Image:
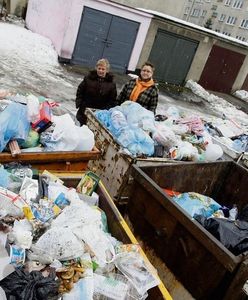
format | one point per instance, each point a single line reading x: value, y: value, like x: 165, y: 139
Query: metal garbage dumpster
x: 116, y: 224
x: 56, y: 160
x: 203, y: 265
x: 114, y: 164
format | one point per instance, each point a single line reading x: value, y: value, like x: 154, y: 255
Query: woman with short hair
x: 141, y: 90
x: 97, y: 90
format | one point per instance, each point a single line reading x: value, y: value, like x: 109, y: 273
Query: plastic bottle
x: 233, y: 213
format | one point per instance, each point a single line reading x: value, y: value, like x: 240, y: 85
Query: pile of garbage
x: 59, y: 243
x: 173, y: 135
x: 227, y: 224
x: 35, y: 124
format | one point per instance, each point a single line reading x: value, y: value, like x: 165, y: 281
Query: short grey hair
x: 105, y: 62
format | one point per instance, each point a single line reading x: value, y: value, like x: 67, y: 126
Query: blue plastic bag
x: 197, y: 204
x: 4, y: 177
x: 14, y: 124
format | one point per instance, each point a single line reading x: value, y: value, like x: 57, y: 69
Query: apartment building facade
x: 229, y: 17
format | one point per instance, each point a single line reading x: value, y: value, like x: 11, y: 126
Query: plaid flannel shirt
x: 148, y: 98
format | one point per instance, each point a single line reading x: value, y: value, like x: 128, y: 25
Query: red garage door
x: 221, y: 69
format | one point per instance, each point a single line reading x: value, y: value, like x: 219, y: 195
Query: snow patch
x: 216, y: 103
x: 27, y: 47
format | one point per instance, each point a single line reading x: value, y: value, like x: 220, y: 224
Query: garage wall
x: 206, y: 42
x: 59, y: 20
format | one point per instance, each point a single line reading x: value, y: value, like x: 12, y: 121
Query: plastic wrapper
x: 57, y: 243
x: 29, y: 190
x: 132, y: 265
x: 114, y: 287
x: 11, y: 204
x: 17, y: 256
x: 98, y: 242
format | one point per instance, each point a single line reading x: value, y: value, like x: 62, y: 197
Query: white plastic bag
x: 86, y: 140
x: 165, y: 136
x: 58, y: 243
x: 33, y: 106
x: 65, y: 133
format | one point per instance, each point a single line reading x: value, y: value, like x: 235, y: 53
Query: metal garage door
x: 221, y: 69
x: 104, y: 35
x: 172, y: 56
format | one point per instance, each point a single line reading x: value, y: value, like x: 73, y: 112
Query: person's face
x: 101, y: 70
x: 146, y: 73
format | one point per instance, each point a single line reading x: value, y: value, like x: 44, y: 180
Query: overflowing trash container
x: 195, y: 218
x: 129, y: 134
x: 66, y: 239
x: 43, y: 133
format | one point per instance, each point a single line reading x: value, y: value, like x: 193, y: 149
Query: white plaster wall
x: 49, y: 18
x: 59, y: 20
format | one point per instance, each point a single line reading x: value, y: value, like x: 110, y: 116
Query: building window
x: 214, y: 14
x: 196, y: 12
x: 237, y: 4
x: 203, y: 14
x: 186, y: 11
x: 244, y: 24
x: 214, y: 7
x: 217, y: 30
x: 226, y: 33
x: 241, y: 38
x: 231, y: 20
x: 222, y: 17
x: 228, y: 2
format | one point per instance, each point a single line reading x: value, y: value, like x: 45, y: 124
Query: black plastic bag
x: 21, y: 285
x: 232, y: 234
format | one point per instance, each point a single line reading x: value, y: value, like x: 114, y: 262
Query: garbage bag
x: 137, y: 141
x: 32, y: 140
x: 22, y: 285
x: 197, y: 204
x: 138, y: 116
x: 232, y: 234
x: 14, y: 124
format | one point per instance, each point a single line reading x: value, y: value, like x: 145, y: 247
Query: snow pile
x: 26, y: 47
x: 218, y: 104
x: 241, y: 94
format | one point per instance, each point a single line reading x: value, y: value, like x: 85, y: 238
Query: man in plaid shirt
x: 141, y: 90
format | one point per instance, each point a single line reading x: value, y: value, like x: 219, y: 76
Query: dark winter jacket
x: 95, y: 92
x: 148, y: 98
